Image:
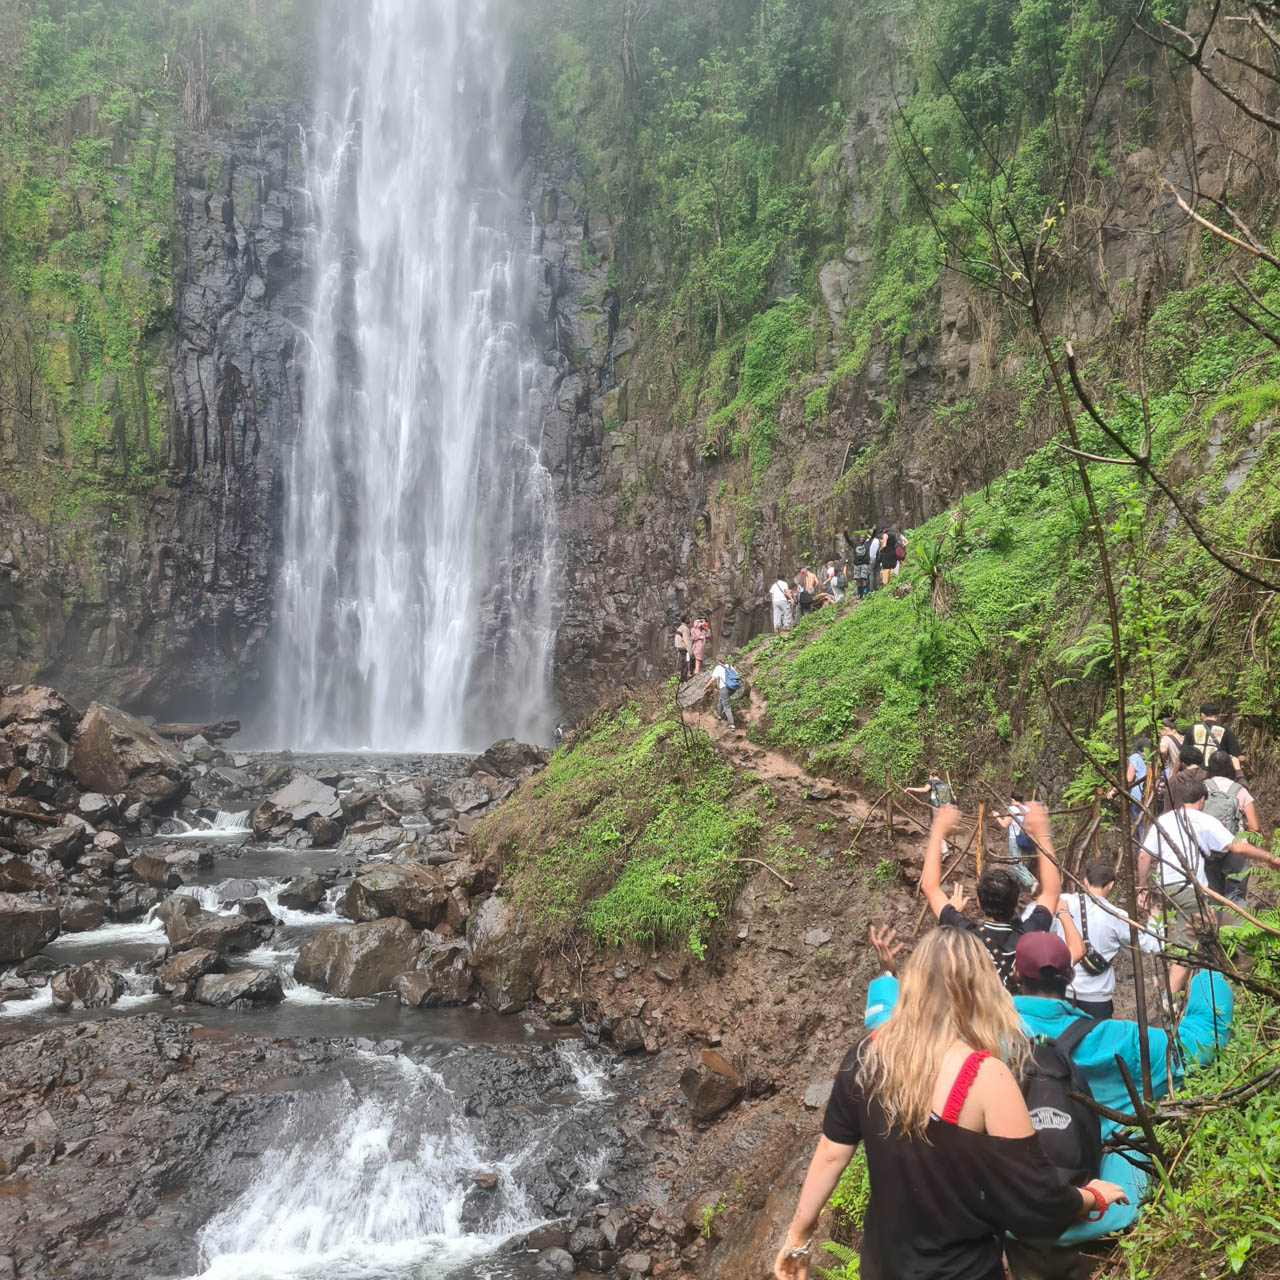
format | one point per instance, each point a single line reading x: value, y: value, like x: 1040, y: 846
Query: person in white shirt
x: 875, y: 551
x: 1018, y: 855
x: 1102, y: 932
x: 780, y: 597
x: 1174, y: 851
x: 720, y: 678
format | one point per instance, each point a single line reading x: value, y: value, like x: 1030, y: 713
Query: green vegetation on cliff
x: 94, y: 96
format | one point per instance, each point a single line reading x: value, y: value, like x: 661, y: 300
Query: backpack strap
x: 964, y: 1082
x: 1084, y: 919
x: 1076, y: 1031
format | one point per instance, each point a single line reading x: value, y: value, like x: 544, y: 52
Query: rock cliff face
x: 163, y: 603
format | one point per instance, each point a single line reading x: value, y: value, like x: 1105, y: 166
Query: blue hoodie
x: 1204, y: 1028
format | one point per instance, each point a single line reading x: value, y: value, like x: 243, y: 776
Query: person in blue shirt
x: 1044, y: 1010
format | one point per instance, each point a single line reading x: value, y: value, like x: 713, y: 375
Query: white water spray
x: 415, y: 596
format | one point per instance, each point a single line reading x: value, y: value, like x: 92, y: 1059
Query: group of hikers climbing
x: 971, y: 1089
x: 874, y: 556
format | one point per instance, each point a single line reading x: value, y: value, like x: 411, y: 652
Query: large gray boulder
x: 187, y: 926
x: 94, y: 986
x: 302, y: 893
x: 256, y: 986
x: 116, y: 754
x: 358, y: 959
x: 62, y: 844
x: 498, y: 951
x: 36, y: 704
x: 26, y: 926
x: 168, y: 868
x: 441, y: 976
x: 412, y: 891
x: 305, y: 797
x: 178, y: 975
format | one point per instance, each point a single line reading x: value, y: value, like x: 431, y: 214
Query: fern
x: 846, y: 1256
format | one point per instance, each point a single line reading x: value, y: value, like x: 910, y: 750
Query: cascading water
x: 414, y: 610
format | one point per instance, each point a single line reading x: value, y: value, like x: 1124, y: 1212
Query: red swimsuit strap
x: 964, y: 1082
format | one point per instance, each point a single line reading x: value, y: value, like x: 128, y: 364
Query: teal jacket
x: 1204, y: 1028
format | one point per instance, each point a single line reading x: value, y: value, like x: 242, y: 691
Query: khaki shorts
x: 885, y: 575
x: 1182, y: 909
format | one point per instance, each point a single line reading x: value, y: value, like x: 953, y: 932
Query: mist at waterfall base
x: 414, y: 606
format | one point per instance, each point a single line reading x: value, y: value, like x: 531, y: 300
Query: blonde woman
x: 953, y: 1160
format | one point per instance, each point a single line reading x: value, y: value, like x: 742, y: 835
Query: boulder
x: 409, y: 890
x: 441, y: 976
x: 95, y: 807
x: 366, y: 840
x: 302, y: 893
x: 134, y: 900
x: 168, y: 868
x: 628, y: 1035
x: 499, y: 953
x: 266, y: 820
x: 711, y: 1087
x: 93, y: 985
x: 508, y: 758
x: 257, y: 910
x: 80, y: 915
x: 257, y: 986
x: 413, y: 796
x: 324, y: 832
x: 468, y: 794
x: 19, y: 876
x: 305, y: 797
x: 187, y: 967
x: 62, y: 844
x: 635, y: 1266
x: 39, y: 746
x: 358, y: 959
x: 187, y: 926
x: 36, y: 704
x: 114, y: 753
x: 25, y: 926
x: 241, y: 890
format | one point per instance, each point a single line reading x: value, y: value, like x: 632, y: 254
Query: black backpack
x: 862, y: 553
x: 1070, y: 1132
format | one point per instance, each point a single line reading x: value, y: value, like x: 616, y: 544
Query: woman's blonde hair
x: 949, y: 991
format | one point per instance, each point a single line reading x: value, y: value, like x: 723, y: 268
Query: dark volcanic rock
x: 304, y: 798
x: 414, y: 892
x: 441, y: 976
x: 187, y: 926
x: 303, y: 893
x: 115, y: 753
x: 79, y: 915
x: 25, y: 926
x: 257, y: 986
x: 358, y: 959
x: 94, y: 986
x: 498, y: 951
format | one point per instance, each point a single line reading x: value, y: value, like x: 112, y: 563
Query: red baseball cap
x: 1038, y: 952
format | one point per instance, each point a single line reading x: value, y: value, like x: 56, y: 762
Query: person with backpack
x: 1210, y: 735
x: 1230, y: 801
x: 1102, y: 931
x: 1021, y: 845
x: 1084, y: 1059
x: 1171, y: 865
x: 873, y: 554
x: 862, y: 564
x: 952, y: 1155
x: 728, y: 681
x: 900, y: 553
x: 998, y: 891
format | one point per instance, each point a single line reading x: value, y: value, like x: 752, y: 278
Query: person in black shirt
x: 952, y: 1158
x: 998, y: 892
x: 887, y: 556
x: 1210, y: 735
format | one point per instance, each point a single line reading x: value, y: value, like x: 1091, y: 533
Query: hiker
x: 1190, y: 765
x: 780, y: 597
x: 887, y: 558
x: 728, y: 682
x: 938, y: 790
x: 1135, y: 777
x: 1102, y: 932
x: 1230, y: 801
x: 873, y: 553
x: 1210, y: 735
x: 900, y: 553
x: 1175, y: 850
x: 862, y: 564
x: 1169, y: 744
x: 699, y: 634
x: 1043, y: 965
x: 1021, y: 845
x: 998, y: 891
x: 804, y: 592
x: 683, y: 643
x: 952, y: 1155
x: 833, y: 582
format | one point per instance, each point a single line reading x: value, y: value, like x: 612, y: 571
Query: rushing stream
x: 414, y: 608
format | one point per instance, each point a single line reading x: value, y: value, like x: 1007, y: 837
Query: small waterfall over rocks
x: 414, y: 603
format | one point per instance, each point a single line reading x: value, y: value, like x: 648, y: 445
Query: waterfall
x: 414, y: 604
